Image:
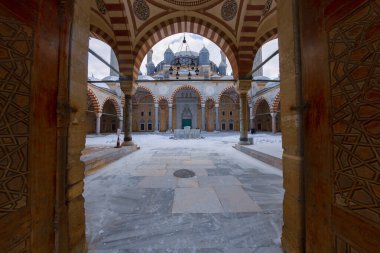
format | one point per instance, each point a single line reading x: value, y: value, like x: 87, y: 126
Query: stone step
x: 268, y: 159
x: 94, y: 161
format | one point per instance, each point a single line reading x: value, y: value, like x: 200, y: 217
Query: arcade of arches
x: 329, y: 115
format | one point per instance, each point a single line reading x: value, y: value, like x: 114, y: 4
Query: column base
x: 128, y: 143
x: 244, y: 143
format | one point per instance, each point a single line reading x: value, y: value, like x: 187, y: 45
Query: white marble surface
x: 136, y: 205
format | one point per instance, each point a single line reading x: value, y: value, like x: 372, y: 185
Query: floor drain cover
x: 184, y: 173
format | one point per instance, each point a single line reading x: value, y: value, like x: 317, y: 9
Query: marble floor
x: 232, y: 205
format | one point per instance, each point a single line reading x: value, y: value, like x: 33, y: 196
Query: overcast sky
x: 99, y: 70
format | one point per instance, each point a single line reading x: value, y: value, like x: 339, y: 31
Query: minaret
x: 204, y: 62
x: 223, y: 64
x: 257, y: 61
x: 114, y: 64
x: 150, y: 68
x: 168, y: 56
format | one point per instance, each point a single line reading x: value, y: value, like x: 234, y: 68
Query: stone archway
x: 110, y: 117
x: 229, y: 110
x: 143, y: 102
x: 186, y: 102
x: 262, y: 115
x: 183, y: 24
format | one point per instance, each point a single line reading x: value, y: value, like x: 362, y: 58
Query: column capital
x: 243, y: 86
x: 273, y: 114
x: 216, y: 105
x: 155, y: 105
x: 170, y: 105
x: 203, y: 105
x: 98, y: 114
x: 128, y: 87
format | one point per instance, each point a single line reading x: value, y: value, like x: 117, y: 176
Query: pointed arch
x: 162, y: 98
x: 94, y: 100
x: 149, y: 91
x: 276, y: 103
x: 182, y: 24
x: 186, y: 87
x: 115, y: 104
x: 257, y: 103
x: 229, y: 89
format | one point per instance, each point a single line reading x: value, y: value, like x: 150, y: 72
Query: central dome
x: 186, y: 53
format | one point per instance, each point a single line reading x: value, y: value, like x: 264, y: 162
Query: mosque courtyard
x: 233, y: 204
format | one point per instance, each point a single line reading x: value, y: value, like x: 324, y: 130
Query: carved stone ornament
x: 267, y: 6
x: 141, y: 9
x: 101, y: 6
x: 229, y: 10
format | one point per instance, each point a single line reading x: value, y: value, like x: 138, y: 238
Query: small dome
x: 110, y: 78
x: 261, y: 78
x: 271, y: 84
x: 227, y: 78
x: 144, y: 77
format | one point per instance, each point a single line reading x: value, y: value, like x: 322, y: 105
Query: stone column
x: 217, y: 117
x: 128, y: 121
x: 273, y: 114
x: 121, y: 124
x: 244, y: 86
x: 251, y: 117
x: 156, y: 117
x: 170, y: 117
x: 203, y: 123
x: 98, y: 117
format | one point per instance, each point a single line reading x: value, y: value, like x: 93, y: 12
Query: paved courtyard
x: 232, y: 205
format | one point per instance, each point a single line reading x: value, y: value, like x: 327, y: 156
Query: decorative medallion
x: 101, y: 6
x: 267, y: 6
x: 141, y: 9
x: 229, y: 10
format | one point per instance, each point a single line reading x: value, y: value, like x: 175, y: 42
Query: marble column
x: 156, y: 117
x: 98, y: 118
x: 274, y: 114
x: 170, y: 117
x: 128, y: 121
x: 251, y: 117
x: 203, y: 123
x: 216, y: 117
x: 243, y: 119
x: 121, y: 124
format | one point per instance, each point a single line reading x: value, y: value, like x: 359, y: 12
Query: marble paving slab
x: 235, y: 199
x: 218, y: 181
x: 196, y: 200
x: 158, y: 182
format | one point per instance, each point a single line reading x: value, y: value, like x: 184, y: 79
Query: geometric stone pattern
x: 16, y: 52
x: 354, y: 55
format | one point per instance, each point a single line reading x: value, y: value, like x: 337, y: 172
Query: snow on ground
x: 223, y: 141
